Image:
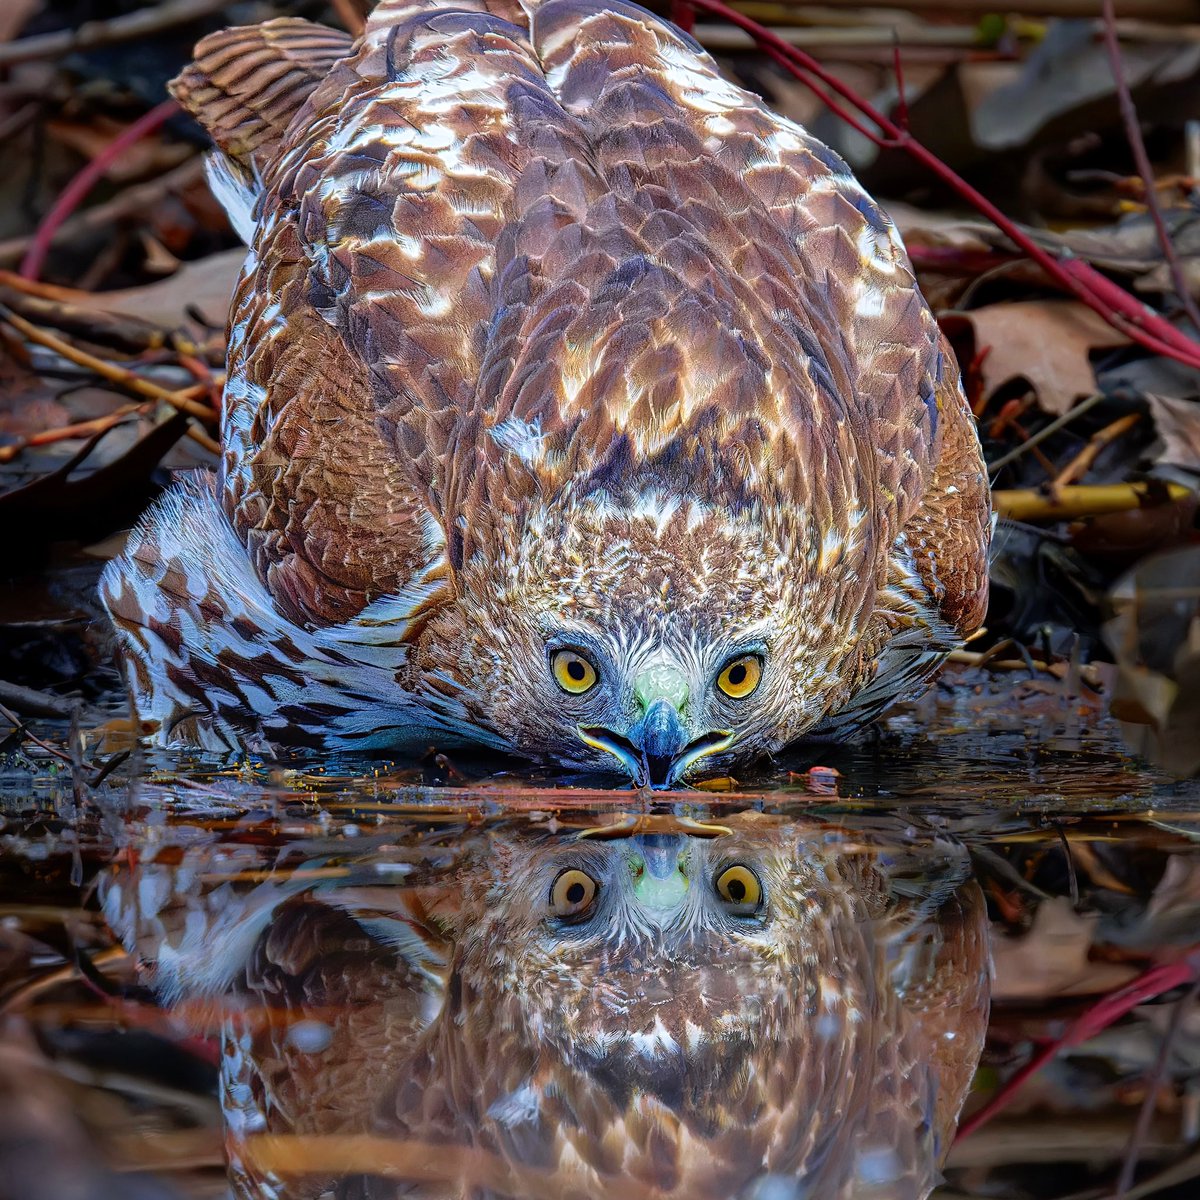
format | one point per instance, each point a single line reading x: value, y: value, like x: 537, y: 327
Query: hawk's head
x: 661, y: 637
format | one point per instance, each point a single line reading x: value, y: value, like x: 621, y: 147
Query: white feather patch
x: 236, y: 195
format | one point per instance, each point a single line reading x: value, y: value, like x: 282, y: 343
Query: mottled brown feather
x: 545, y: 321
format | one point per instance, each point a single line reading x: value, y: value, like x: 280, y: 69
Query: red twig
x: 683, y: 14
x: 81, y: 429
x: 139, y: 1015
x: 1121, y: 310
x: 1133, y: 134
x: 75, y: 191
x: 1103, y: 1013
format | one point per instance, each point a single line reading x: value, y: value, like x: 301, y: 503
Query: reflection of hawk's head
x: 759, y: 991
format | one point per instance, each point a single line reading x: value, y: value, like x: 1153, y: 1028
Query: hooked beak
x: 656, y: 750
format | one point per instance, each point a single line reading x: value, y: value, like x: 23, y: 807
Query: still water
x: 370, y: 979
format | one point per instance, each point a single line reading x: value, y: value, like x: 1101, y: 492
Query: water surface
x: 365, y: 979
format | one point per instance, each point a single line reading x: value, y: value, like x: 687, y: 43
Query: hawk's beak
x: 659, y: 864
x: 656, y: 751
x: 660, y: 737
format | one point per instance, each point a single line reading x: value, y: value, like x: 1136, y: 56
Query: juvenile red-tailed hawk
x: 578, y: 405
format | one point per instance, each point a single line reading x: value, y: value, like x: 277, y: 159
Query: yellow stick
x: 118, y: 376
x: 1083, y: 500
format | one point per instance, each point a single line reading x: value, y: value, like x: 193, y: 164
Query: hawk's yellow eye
x: 572, y: 893
x: 740, y: 677
x: 738, y: 886
x: 573, y: 673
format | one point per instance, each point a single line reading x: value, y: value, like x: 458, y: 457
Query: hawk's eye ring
x: 572, y: 893
x: 740, y: 676
x: 739, y: 888
x: 572, y: 672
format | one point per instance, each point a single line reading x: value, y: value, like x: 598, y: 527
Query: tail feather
x: 245, y: 87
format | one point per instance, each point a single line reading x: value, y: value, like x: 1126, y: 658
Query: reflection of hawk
x: 577, y: 405
x: 787, y: 1006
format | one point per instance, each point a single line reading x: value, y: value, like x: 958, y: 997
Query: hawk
x: 774, y: 1006
x: 578, y: 406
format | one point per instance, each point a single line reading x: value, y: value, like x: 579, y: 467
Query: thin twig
x: 203, y: 440
x: 1072, y: 874
x: 132, y: 202
x: 120, y: 377
x: 15, y: 122
x: 75, y: 191
x: 23, y: 732
x: 720, y: 37
x: 1162, y: 10
x: 1138, y: 1137
x: 1088, y: 455
x: 1042, y: 434
x: 1093, y: 1020
x: 1133, y: 134
x: 91, y: 34
x: 898, y: 71
x: 81, y: 429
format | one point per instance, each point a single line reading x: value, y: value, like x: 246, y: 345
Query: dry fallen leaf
x: 1051, y: 959
x: 921, y: 227
x: 205, y: 286
x: 1177, y: 423
x: 1044, y: 342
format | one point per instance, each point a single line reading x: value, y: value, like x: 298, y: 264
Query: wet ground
x: 366, y: 979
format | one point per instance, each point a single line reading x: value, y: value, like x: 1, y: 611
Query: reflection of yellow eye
x: 740, y: 677
x: 573, y: 673
x: 572, y: 893
x: 739, y: 887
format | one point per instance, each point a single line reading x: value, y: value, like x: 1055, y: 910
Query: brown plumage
x: 550, y: 340
x: 661, y: 1037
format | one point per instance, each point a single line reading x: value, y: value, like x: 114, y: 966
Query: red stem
x: 1121, y: 310
x: 1103, y: 1013
x: 683, y: 14
x: 75, y: 191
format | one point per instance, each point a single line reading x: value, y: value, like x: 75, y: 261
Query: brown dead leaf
x: 1052, y: 958
x: 205, y: 286
x: 1177, y: 423
x: 921, y: 227
x: 1043, y: 342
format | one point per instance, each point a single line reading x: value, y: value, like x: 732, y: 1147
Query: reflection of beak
x: 659, y: 865
x: 656, y: 751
